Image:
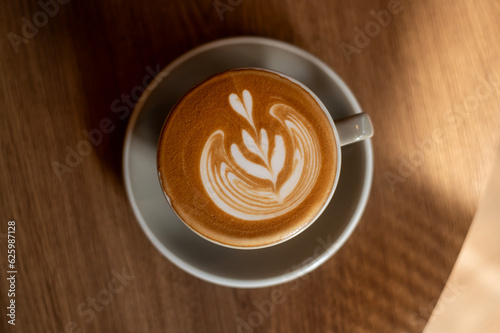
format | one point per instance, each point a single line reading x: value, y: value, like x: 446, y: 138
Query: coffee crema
x: 247, y: 158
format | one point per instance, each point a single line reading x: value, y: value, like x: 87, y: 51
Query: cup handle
x: 354, y: 128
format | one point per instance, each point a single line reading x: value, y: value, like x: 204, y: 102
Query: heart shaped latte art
x: 251, y: 191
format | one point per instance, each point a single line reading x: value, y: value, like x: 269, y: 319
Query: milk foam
x: 250, y: 190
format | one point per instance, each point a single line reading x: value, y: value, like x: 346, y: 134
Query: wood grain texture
x: 413, y: 78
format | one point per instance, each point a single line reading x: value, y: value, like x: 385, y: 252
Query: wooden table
x: 428, y: 74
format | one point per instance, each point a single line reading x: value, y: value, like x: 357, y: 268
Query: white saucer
x: 211, y: 262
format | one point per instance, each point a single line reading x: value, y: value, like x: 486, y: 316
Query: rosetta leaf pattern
x: 258, y: 145
x: 251, y: 144
x: 250, y: 167
x: 264, y: 142
x: 241, y: 109
x: 247, y: 99
x: 230, y: 175
x: 277, y: 159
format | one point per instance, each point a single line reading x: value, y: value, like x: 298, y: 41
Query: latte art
x: 248, y: 158
x: 251, y: 190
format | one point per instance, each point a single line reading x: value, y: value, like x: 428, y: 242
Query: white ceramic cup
x: 346, y: 131
x: 208, y: 261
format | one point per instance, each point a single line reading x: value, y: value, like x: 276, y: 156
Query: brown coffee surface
x: 247, y: 158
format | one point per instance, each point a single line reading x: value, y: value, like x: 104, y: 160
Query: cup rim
x: 210, y: 276
x: 331, y: 190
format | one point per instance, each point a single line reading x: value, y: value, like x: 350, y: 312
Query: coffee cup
x: 250, y: 157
